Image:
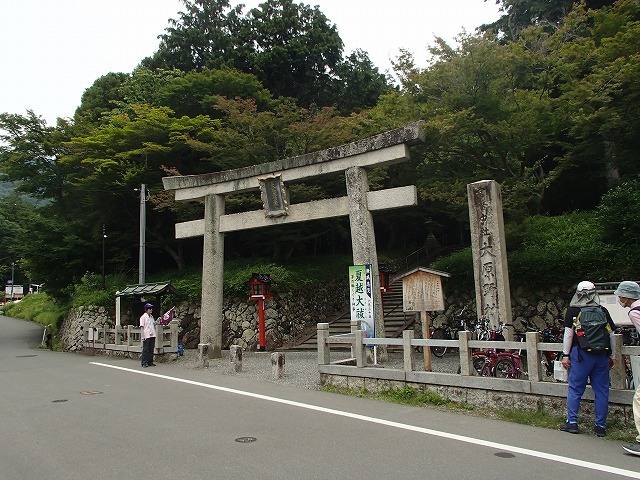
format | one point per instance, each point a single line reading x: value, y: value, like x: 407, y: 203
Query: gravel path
x: 301, y: 368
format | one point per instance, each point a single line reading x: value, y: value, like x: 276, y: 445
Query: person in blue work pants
x: 586, y: 365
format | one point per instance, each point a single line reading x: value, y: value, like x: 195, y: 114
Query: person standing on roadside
x: 587, y: 352
x: 628, y: 294
x: 148, y: 332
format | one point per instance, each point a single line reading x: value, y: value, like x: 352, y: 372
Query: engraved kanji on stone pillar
x: 491, y: 273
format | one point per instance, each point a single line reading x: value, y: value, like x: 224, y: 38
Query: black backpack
x: 592, y: 329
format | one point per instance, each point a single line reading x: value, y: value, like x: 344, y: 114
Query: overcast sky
x: 53, y: 50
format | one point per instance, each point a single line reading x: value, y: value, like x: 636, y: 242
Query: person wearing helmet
x: 628, y: 294
x: 148, y: 332
x: 587, y: 363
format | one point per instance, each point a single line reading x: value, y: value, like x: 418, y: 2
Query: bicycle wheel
x: 439, y: 333
x: 479, y: 360
x: 505, y: 368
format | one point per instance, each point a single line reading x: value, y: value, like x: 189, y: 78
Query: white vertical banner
x: 361, y: 297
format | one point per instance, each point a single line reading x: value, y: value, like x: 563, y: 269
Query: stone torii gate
x: 270, y: 178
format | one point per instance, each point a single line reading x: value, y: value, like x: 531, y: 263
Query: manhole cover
x: 58, y: 401
x: 246, y: 439
x: 504, y: 455
x: 90, y: 392
x: 25, y: 356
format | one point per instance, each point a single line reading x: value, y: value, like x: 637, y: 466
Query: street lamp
x: 104, y: 237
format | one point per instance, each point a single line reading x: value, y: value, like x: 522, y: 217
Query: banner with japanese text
x: 361, y: 297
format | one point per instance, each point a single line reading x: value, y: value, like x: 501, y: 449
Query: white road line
x: 403, y: 426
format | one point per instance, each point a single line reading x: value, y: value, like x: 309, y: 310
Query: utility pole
x: 143, y: 221
x: 104, y: 237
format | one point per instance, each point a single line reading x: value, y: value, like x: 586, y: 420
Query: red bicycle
x: 493, y: 363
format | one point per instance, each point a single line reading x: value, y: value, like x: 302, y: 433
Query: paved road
x: 70, y: 416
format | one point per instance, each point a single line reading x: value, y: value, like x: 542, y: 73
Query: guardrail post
x: 534, y: 367
x: 277, y: 364
x: 407, y: 350
x: 323, y: 346
x: 360, y: 349
x: 618, y: 375
x: 235, y: 357
x: 466, y: 365
x: 355, y: 325
x: 173, y: 328
x: 204, y: 354
x: 85, y: 333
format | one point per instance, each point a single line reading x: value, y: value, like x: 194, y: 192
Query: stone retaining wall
x: 539, y: 308
x: 293, y: 314
x: 71, y: 332
x: 287, y: 316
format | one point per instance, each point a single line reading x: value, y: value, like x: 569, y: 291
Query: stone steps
x: 395, y: 321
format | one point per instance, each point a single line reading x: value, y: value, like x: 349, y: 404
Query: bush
x: 551, y: 250
x: 619, y: 215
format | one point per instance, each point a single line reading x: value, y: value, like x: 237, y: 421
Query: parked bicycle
x: 492, y: 362
x: 630, y: 336
x: 547, y: 335
x: 459, y: 322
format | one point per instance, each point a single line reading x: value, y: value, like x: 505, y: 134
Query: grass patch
x: 39, y: 308
x: 616, y: 429
x: 405, y: 396
x: 539, y: 418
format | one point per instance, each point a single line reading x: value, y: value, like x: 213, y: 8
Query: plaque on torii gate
x: 271, y: 178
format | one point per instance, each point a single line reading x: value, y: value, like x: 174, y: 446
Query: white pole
x: 118, y: 314
x: 143, y: 219
x: 13, y: 267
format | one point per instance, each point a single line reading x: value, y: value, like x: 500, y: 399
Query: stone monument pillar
x: 493, y: 297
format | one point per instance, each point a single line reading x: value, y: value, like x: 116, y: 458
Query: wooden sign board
x: 422, y: 290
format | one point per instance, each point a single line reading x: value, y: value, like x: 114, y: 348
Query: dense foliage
x: 545, y: 101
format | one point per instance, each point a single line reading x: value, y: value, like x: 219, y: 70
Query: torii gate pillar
x: 363, y: 241
x: 212, y: 276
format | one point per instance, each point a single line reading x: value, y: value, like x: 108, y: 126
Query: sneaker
x: 600, y: 431
x: 569, y: 427
x: 633, y: 448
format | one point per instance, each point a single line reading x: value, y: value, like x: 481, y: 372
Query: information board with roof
x: 422, y: 290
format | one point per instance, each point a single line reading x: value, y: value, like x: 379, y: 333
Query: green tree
x: 205, y: 36
x: 293, y: 49
x: 359, y: 83
x: 522, y: 14
x: 101, y: 97
x: 485, y: 117
x: 596, y: 80
x: 195, y: 93
x: 29, y: 153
